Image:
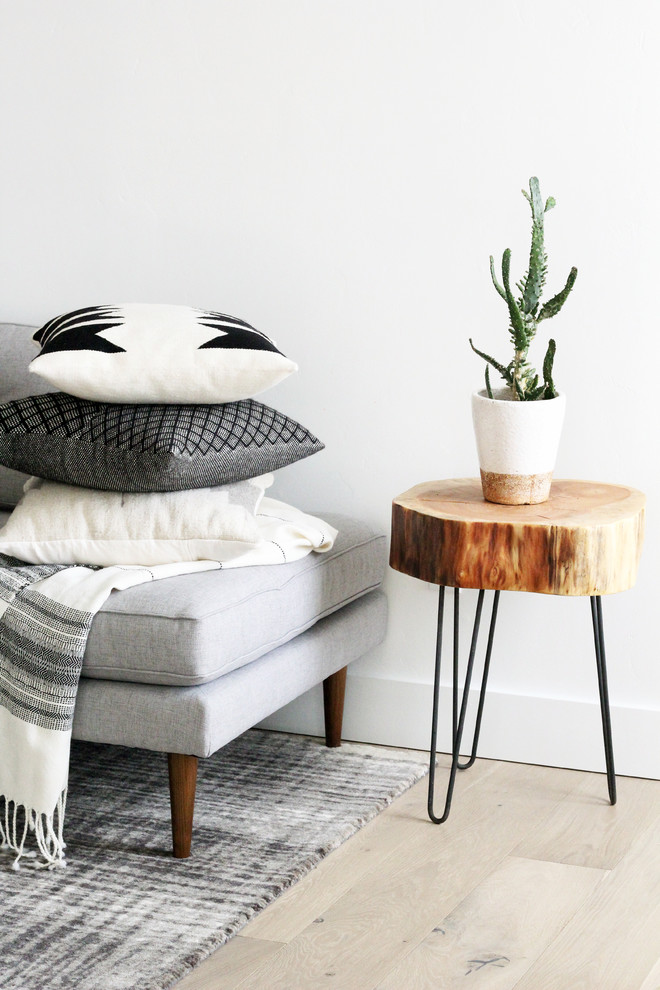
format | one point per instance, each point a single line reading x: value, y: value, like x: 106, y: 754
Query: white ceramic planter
x: 517, y: 443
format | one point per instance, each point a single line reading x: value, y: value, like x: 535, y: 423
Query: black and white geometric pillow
x: 157, y: 353
x: 147, y: 448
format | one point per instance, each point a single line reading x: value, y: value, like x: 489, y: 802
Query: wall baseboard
x: 520, y: 728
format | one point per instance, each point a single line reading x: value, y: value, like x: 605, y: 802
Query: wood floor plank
x: 652, y: 981
x: 230, y: 964
x: 499, y: 929
x: 613, y: 941
x: 585, y: 830
x: 303, y: 903
x: 361, y: 937
x: 399, y: 878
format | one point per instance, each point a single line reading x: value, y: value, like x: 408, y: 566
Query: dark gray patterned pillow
x: 147, y: 448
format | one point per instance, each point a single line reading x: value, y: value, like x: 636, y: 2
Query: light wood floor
x: 535, y: 882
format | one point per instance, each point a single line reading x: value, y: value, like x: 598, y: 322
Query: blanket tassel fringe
x: 47, y: 829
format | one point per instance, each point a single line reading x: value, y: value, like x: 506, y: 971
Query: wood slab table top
x: 585, y: 540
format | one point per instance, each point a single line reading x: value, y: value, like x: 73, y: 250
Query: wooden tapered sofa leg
x: 334, y: 690
x: 183, y: 781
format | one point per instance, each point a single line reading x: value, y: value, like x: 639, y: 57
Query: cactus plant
x: 525, y: 312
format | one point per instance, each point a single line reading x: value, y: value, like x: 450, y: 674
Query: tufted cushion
x: 193, y: 628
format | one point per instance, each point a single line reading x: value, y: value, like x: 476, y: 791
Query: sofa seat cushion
x: 200, y: 719
x: 193, y: 628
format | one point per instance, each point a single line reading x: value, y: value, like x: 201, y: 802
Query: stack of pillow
x: 154, y: 450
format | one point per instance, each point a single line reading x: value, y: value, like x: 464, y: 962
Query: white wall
x: 338, y: 173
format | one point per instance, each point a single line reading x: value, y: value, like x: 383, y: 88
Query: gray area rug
x: 125, y: 915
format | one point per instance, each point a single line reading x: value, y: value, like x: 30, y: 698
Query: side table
x: 585, y: 540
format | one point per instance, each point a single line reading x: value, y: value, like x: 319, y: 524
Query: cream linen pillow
x: 63, y: 524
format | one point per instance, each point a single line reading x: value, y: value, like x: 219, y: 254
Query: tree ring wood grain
x: 585, y: 540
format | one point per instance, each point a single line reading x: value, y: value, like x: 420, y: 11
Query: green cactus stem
x: 552, y: 307
x: 494, y: 278
x: 506, y: 373
x: 524, y: 313
x: 549, y: 390
x: 538, y: 260
x: 519, y: 332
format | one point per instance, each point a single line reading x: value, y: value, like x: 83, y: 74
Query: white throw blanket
x: 46, y: 611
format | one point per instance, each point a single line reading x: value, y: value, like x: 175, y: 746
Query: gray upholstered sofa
x: 183, y: 665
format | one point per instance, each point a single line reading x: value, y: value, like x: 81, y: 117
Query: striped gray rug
x: 125, y: 915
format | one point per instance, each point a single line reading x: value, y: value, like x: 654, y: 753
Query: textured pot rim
x: 480, y: 395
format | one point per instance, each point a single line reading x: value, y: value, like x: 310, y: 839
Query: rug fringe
x: 47, y: 830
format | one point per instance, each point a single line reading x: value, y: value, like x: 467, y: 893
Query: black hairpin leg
x: 484, y: 681
x: 458, y: 720
x: 599, y: 641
